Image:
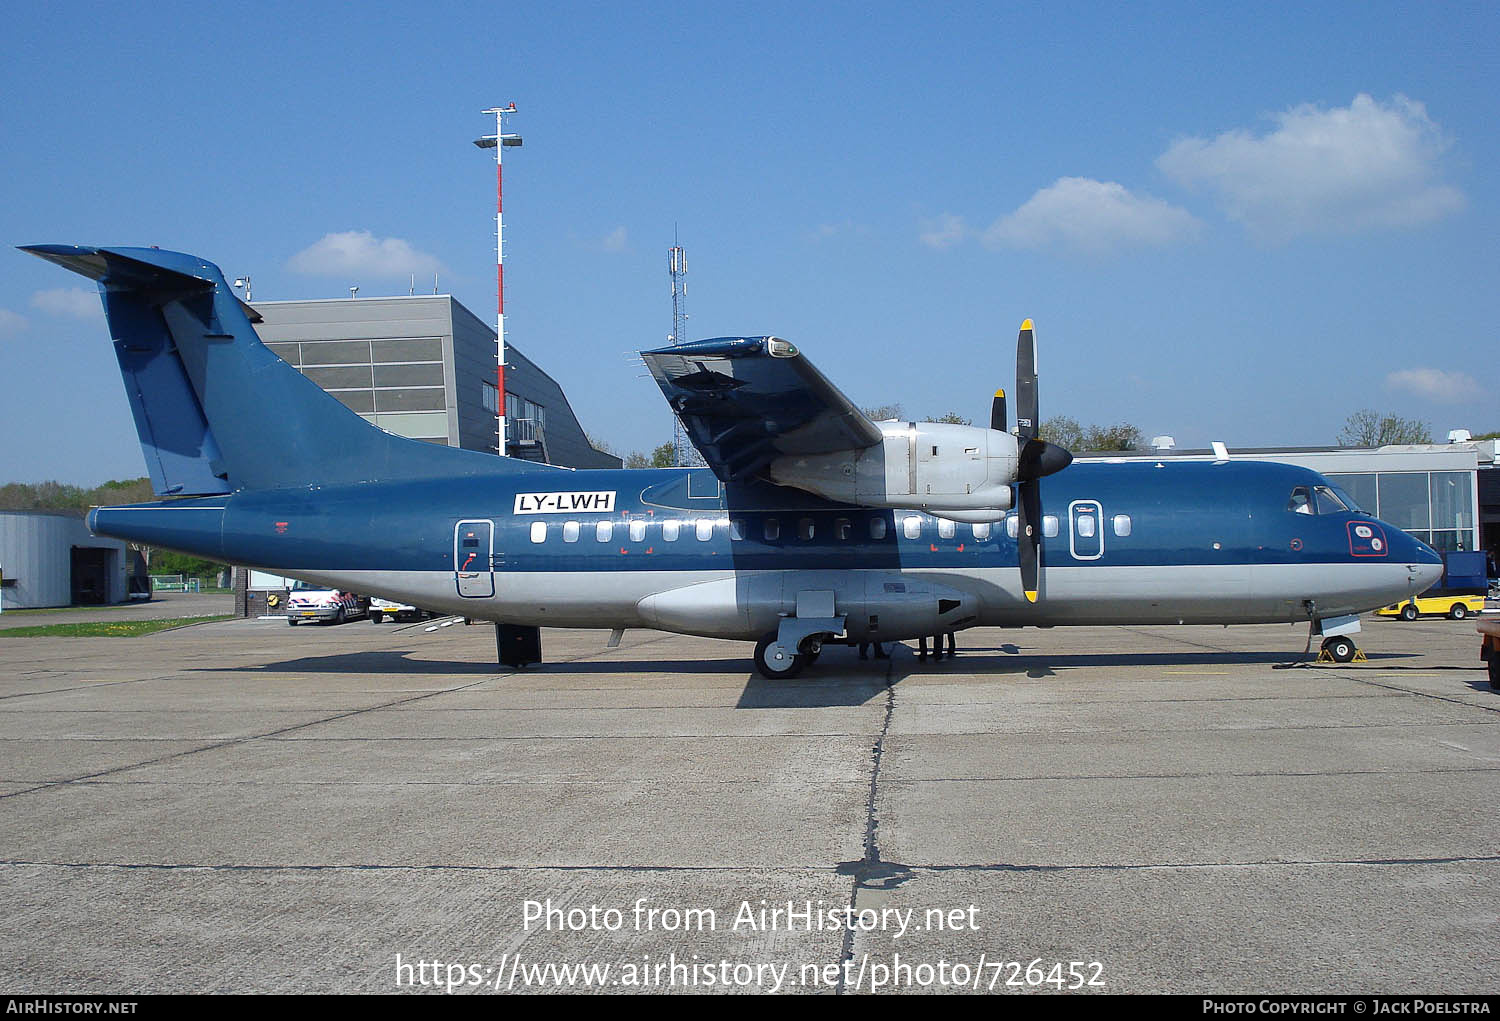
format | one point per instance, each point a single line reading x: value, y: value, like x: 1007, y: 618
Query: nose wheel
x: 1339, y: 649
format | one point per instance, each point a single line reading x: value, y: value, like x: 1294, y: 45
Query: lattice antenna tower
x: 684, y: 454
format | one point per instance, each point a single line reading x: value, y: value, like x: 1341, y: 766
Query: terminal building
x: 424, y: 366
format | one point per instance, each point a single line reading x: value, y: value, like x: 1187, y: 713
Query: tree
x: 1369, y: 428
x: 664, y: 456
x: 1114, y: 437
x: 637, y: 460
x: 884, y: 412
x: 952, y: 418
x: 1063, y: 431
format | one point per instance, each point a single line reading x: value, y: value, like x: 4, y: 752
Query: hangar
x: 50, y: 559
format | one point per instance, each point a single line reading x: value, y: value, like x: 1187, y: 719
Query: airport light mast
x: 499, y: 141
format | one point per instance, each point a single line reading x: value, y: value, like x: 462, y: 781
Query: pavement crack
x: 870, y: 872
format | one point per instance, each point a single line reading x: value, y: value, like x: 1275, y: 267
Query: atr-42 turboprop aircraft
x: 811, y: 523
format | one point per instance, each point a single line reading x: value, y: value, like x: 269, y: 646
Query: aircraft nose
x: 1425, y: 564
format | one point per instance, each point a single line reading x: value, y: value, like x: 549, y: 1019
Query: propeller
x: 1037, y: 459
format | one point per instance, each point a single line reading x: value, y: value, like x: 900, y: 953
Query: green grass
x: 106, y: 629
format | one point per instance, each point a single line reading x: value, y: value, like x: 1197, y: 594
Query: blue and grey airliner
x: 809, y: 525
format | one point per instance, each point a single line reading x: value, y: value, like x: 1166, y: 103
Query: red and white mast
x: 499, y: 141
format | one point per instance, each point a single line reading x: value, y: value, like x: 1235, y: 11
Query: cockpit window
x: 1328, y: 502
x: 1347, y: 500
x: 1318, y: 500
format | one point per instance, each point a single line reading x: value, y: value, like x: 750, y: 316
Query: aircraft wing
x: 746, y: 401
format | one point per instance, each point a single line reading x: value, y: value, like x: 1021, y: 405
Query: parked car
x: 309, y: 602
x: 381, y: 608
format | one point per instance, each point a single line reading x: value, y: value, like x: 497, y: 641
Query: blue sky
x: 1236, y: 224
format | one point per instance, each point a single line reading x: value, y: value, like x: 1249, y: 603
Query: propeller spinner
x: 1038, y: 459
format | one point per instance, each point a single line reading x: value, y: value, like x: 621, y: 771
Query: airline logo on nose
x: 565, y: 503
x: 1367, y: 539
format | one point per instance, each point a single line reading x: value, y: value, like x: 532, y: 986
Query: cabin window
x: 1122, y: 525
x: 982, y: 531
x: 705, y: 529
x: 1301, y: 501
x: 539, y: 531
x: 877, y: 528
x: 1085, y: 526
x: 773, y: 529
x: 1013, y: 526
x: 1049, y: 526
x: 841, y: 529
x: 570, y: 531
x: 805, y: 529
x: 670, y: 529
x: 638, y: 531
x: 911, y: 526
x: 1327, y: 501
x: 603, y: 531
x: 736, y: 528
x: 945, y: 528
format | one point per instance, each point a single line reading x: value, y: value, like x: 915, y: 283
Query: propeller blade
x: 997, y: 412
x: 1028, y: 417
x: 1029, y: 539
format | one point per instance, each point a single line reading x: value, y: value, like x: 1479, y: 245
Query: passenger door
x: 473, y: 546
x: 1086, y: 529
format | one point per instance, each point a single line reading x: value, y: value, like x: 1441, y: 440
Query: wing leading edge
x: 746, y: 401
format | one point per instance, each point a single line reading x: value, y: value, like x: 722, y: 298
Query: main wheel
x: 338, y: 618
x: 1409, y: 612
x: 1458, y: 611
x: 376, y: 617
x: 782, y: 669
x: 1341, y: 649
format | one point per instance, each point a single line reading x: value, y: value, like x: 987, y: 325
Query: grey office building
x: 424, y: 366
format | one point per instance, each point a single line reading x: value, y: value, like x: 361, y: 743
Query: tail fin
x: 215, y: 409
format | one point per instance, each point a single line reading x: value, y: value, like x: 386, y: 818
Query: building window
x: 491, y: 397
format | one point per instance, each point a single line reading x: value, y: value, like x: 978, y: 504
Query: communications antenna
x: 684, y: 454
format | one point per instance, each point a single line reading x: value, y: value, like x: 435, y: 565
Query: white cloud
x: 70, y: 302
x: 358, y: 252
x: 1436, y: 385
x: 11, y: 322
x: 943, y: 231
x: 1092, y: 216
x: 615, y: 241
x: 1367, y: 165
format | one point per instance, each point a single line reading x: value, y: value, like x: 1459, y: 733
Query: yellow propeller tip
x: 1000, y: 393
x: 1027, y: 325
x: 1030, y: 596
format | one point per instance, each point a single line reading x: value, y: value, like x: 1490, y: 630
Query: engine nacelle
x: 950, y: 470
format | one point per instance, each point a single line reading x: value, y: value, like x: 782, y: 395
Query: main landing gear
x: 774, y: 663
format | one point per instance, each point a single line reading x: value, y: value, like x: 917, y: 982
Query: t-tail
x: 216, y: 410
